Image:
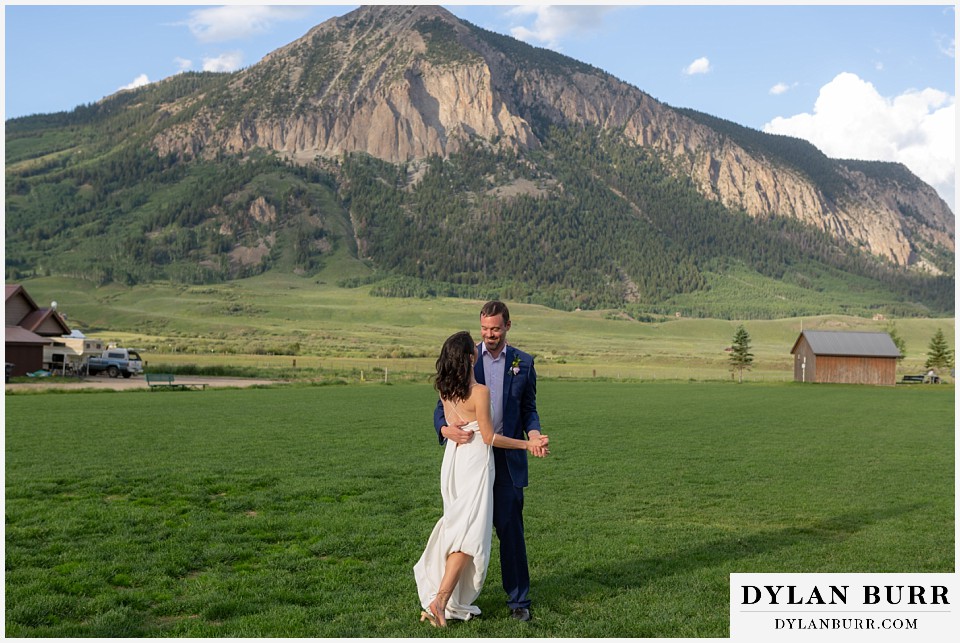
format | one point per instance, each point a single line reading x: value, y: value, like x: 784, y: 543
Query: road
x: 121, y: 384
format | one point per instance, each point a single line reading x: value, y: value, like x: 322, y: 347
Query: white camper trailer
x: 68, y: 353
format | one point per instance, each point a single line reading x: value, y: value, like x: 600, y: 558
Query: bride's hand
x: 537, y: 445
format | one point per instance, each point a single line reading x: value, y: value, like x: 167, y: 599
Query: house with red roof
x: 29, y: 329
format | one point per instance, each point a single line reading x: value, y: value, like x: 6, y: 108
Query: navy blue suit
x: 519, y: 417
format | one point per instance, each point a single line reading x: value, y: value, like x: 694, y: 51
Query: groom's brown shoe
x: 520, y: 613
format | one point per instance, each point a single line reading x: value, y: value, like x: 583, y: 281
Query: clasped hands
x: 537, y: 442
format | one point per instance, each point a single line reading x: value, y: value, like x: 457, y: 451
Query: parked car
x: 116, y: 362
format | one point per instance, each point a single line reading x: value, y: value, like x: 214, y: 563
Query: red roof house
x: 28, y: 329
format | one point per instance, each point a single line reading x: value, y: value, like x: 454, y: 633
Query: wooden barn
x: 845, y: 358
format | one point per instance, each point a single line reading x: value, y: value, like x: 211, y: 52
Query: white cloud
x: 218, y: 24
x: 779, y: 88
x: 698, y: 66
x: 552, y: 22
x: 139, y: 81
x: 851, y: 119
x: 230, y: 61
x: 183, y: 64
x: 947, y: 47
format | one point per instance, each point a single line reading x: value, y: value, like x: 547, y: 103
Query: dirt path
x: 121, y: 384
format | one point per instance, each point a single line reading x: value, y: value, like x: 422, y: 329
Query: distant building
x: 845, y: 358
x: 28, y: 329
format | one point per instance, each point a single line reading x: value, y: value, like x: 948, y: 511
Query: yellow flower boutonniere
x: 515, y: 365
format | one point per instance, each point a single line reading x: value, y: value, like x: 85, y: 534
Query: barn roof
x: 20, y: 335
x: 15, y: 289
x: 39, y: 318
x: 848, y: 343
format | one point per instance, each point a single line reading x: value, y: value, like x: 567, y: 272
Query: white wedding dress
x: 466, y: 484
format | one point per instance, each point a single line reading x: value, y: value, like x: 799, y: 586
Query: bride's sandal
x: 435, y: 611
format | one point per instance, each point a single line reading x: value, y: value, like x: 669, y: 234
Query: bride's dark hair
x: 453, y: 367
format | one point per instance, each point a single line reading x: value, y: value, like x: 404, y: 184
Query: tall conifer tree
x: 897, y: 340
x: 939, y: 355
x: 740, y: 356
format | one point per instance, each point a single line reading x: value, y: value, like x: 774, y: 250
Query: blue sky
x: 859, y: 81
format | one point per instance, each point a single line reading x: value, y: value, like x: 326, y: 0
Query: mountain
x: 453, y: 159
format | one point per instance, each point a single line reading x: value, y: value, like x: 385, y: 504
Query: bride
x: 451, y: 571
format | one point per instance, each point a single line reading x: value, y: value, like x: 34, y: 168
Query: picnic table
x: 920, y: 379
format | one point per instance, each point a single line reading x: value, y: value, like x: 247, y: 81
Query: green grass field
x: 268, y: 321
x: 299, y: 511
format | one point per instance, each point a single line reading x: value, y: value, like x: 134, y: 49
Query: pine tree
x: 897, y: 340
x: 740, y: 356
x: 939, y: 355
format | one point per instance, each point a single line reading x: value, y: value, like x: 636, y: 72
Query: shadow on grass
x: 618, y: 575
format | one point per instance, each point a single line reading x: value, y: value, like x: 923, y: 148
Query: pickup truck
x: 115, y: 362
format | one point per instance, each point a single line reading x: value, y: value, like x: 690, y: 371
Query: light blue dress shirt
x: 493, y: 374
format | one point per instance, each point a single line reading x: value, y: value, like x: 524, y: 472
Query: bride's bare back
x: 466, y: 409
x: 477, y: 408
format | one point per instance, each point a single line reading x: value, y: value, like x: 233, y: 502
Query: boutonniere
x: 515, y: 365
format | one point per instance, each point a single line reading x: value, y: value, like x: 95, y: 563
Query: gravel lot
x: 121, y: 384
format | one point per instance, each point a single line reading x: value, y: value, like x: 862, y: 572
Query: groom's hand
x: 456, y: 433
x: 541, y: 451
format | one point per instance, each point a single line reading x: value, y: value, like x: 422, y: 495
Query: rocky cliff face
x: 377, y: 91
x: 405, y: 82
x: 868, y: 216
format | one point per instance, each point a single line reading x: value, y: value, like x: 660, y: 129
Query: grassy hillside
x: 269, y: 319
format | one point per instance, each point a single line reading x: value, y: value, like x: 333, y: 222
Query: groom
x: 512, y: 380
